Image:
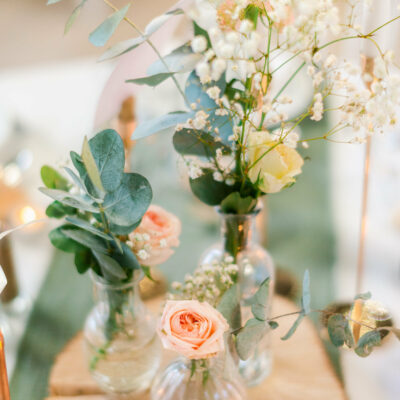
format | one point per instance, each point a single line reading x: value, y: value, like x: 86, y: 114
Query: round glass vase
x: 122, y: 347
x: 239, y: 240
x: 215, y: 378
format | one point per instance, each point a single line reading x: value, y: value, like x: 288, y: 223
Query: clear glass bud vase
x: 215, y: 378
x: 239, y: 240
x: 122, y: 346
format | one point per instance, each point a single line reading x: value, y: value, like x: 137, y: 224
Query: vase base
x: 256, y: 369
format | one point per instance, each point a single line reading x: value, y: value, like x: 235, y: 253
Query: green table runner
x: 300, y: 237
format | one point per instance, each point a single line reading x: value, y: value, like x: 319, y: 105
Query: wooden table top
x: 301, y: 370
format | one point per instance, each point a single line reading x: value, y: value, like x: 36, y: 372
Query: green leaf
x: 229, y: 307
x: 108, y: 152
x: 80, y: 223
x: 208, y: 190
x: 367, y: 342
x: 156, y: 23
x: 84, y: 261
x: 105, y: 30
x: 127, y: 205
x: 86, y: 239
x: 259, y: 302
x: 363, y: 296
x: 198, y: 31
x: 152, y: 80
x: 339, y: 331
x: 147, y: 271
x: 123, y: 230
x: 196, y: 142
x: 126, y: 259
x: 251, y: 13
x: 179, y: 60
x: 69, y: 199
x: 52, y: 179
x: 249, y: 337
x: 61, y: 241
x: 273, y: 324
x: 110, y: 268
x: 156, y: 125
x: 235, y: 204
x: 122, y: 48
x: 91, y: 166
x: 49, y: 2
x: 80, y: 167
x: 58, y: 210
x: 73, y: 16
x: 294, y: 327
x: 306, y: 297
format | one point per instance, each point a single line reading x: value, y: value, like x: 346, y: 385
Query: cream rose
x: 193, y: 329
x: 273, y: 170
x: 152, y: 240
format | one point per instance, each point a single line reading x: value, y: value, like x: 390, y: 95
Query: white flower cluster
x: 208, y: 282
x: 142, y: 243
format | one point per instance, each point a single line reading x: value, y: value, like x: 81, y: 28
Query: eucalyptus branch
x: 151, y: 44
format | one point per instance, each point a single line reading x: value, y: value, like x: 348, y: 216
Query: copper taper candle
x: 126, y: 126
x: 4, y: 388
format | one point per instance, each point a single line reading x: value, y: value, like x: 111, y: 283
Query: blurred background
x: 49, y: 88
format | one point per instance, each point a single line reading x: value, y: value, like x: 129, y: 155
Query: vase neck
x: 238, y: 232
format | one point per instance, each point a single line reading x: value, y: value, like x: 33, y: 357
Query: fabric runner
x: 301, y: 237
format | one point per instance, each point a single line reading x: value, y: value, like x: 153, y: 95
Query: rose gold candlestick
x: 4, y: 387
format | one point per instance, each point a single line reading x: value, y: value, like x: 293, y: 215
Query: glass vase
x: 215, y: 378
x: 239, y: 240
x: 122, y: 346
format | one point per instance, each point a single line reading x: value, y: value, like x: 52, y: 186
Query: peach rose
x: 152, y: 240
x: 193, y: 329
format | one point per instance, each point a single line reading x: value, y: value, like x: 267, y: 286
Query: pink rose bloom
x: 193, y: 329
x: 152, y: 240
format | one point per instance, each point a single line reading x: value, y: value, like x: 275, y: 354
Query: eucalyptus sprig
x: 99, y: 204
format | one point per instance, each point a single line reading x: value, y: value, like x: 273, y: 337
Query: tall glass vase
x: 122, y: 346
x: 239, y: 240
x: 215, y: 378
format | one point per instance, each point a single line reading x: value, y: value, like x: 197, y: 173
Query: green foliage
x: 229, y: 307
x: 208, y: 190
x: 200, y: 31
x: 110, y: 268
x: 105, y: 30
x: 127, y: 204
x: 122, y: 47
x: 49, y: 2
x: 52, y: 179
x: 91, y: 167
x: 259, y: 302
x: 86, y: 239
x: 87, y: 226
x: 249, y: 336
x: 58, y: 210
x: 148, y: 128
x: 84, y: 261
x: 252, y: 12
x: 294, y: 327
x: 235, y: 204
x: 61, y: 241
x: 306, y: 297
x: 339, y: 331
x: 196, y: 142
x: 147, y: 272
x: 367, y: 342
x: 152, y: 80
x: 363, y: 296
x: 156, y: 23
x: 73, y: 16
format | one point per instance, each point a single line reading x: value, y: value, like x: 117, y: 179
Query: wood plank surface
x: 301, y: 370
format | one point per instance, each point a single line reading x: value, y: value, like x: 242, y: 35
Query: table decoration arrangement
x: 115, y: 233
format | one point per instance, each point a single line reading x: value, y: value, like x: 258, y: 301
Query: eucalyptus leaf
x: 123, y: 230
x: 53, y: 179
x: 152, y: 80
x: 108, y: 153
x: 83, y: 260
x: 69, y: 199
x: 259, y: 302
x: 49, y: 2
x: 197, y: 142
x: 86, y: 239
x: 109, y: 267
x: 58, y: 210
x: 339, y: 331
x: 105, y: 30
x: 127, y: 205
x: 91, y: 166
x: 122, y: 48
x: 147, y: 272
x: 179, y: 60
x: 367, y: 342
x: 126, y: 259
x: 72, y: 18
x: 148, y: 128
x: 249, y: 337
x: 208, y: 190
x: 229, y: 307
x: 294, y: 327
x: 235, y: 204
x: 61, y: 241
x: 306, y: 297
x: 75, y: 178
x: 273, y: 324
x: 88, y: 227
x: 159, y: 21
x: 80, y: 167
